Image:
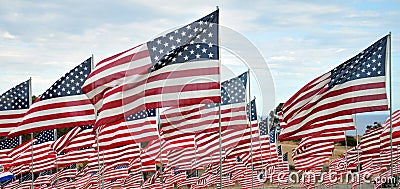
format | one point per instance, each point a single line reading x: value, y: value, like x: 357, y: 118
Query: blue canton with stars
x: 233, y: 91
x: 195, y: 41
x: 263, y: 127
x: 272, y: 136
x: 253, y: 116
x: 70, y: 84
x: 141, y: 115
x: 279, y: 150
x: 9, y: 143
x: 368, y: 63
x: 44, y: 173
x: 45, y: 136
x: 15, y: 98
x: 285, y: 156
x: 26, y: 177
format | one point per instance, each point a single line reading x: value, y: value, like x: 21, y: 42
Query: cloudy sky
x: 298, y: 40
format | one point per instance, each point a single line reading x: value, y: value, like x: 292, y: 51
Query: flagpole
x: 219, y: 112
x: 102, y: 175
x: 55, y: 138
x: 251, y: 132
x: 345, y: 155
x: 30, y: 104
x: 390, y: 104
x: 32, y: 157
x: 358, y: 152
x: 161, y: 165
x: 98, y: 149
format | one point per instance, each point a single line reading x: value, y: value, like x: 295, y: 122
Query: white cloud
x: 7, y: 35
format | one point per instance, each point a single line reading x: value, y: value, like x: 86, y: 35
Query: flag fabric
x: 385, y: 135
x: 182, y: 121
x: 356, y: 86
x: 178, y: 68
x: 26, y: 181
x: 62, y: 105
x: 6, y: 146
x: 139, y: 127
x: 84, y: 139
x: 14, y: 103
x: 41, y: 151
x: 43, y: 178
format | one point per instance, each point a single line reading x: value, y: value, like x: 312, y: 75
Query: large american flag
x: 178, y: 68
x: 62, y: 105
x: 182, y: 121
x: 139, y: 127
x: 357, y: 85
x: 14, y: 103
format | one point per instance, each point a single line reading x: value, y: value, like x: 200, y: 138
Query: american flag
x: 356, y: 86
x: 6, y: 146
x: 307, y: 148
x: 178, y: 68
x: 116, y: 171
x: 26, y: 181
x: 118, y: 154
x: 77, y: 156
x: 183, y: 159
x: 84, y: 139
x: 139, y: 127
x: 181, y: 121
x: 62, y: 105
x: 178, y: 176
x: 385, y: 135
x: 41, y: 152
x: 14, y: 103
x: 43, y: 178
x: 370, y: 145
x: 78, y: 137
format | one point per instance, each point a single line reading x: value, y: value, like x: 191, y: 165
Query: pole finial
x: 217, y: 7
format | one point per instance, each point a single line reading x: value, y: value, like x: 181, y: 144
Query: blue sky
x: 298, y: 39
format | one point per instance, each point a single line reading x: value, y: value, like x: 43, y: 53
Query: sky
x: 298, y: 40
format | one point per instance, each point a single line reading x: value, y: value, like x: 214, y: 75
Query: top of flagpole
x: 217, y: 7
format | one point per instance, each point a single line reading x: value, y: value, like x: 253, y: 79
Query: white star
x: 197, y: 56
x: 165, y: 44
x: 183, y: 33
x: 210, y: 55
x: 192, y: 51
x: 210, y: 34
x: 204, y: 50
x: 186, y: 57
x: 210, y: 45
x: 178, y: 40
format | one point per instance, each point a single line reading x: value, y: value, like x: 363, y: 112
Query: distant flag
x: 62, y: 105
x: 14, y: 103
x: 355, y: 86
x: 177, y: 69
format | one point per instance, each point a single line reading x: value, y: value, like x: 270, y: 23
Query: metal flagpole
x: 97, y: 130
x: 345, y: 156
x: 358, y: 152
x: 98, y: 149
x: 32, y: 157
x: 30, y: 104
x: 161, y: 165
x: 251, y: 132
x: 55, y: 138
x: 390, y: 104
x: 219, y: 114
x: 102, y: 174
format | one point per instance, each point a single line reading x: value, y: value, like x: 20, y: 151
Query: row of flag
x: 162, y: 102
